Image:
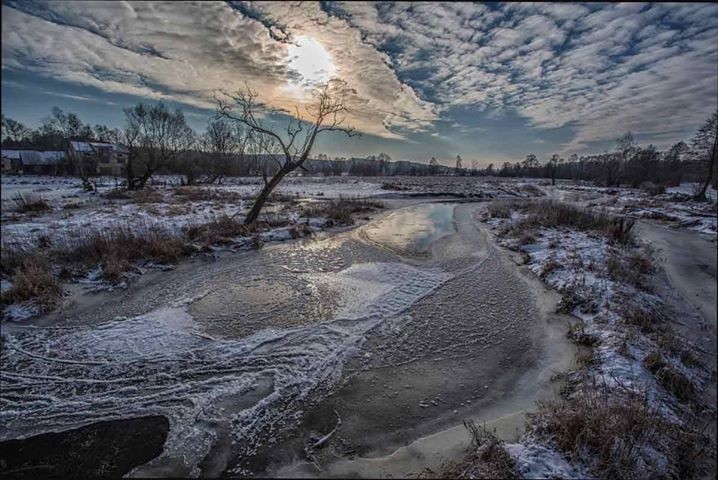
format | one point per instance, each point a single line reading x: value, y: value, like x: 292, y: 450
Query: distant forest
x: 223, y: 150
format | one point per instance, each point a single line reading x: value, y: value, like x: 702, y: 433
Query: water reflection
x: 413, y: 229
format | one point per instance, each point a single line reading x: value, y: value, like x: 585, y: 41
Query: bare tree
x: 154, y: 135
x: 105, y: 134
x: 223, y: 140
x: 433, y: 166
x: 289, y: 151
x: 704, y: 150
x: 14, y: 131
x: 552, y: 167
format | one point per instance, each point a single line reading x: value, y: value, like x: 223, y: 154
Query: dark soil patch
x: 103, y: 449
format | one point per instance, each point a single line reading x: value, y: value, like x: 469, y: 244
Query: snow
x: 691, y: 188
x: 538, y: 461
x: 18, y: 312
x: 575, y: 264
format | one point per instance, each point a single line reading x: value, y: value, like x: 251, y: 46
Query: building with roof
x: 11, y: 161
x: 99, y: 158
x: 38, y: 162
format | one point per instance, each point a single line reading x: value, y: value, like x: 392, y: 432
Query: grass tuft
x: 31, y: 203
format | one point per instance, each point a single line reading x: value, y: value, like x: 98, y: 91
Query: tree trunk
x: 262, y: 197
x: 711, y: 165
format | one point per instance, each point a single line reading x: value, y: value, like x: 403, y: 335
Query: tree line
x: 235, y: 142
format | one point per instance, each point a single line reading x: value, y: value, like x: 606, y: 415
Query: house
x: 52, y: 162
x: 34, y: 162
x: 11, y: 161
x: 99, y: 158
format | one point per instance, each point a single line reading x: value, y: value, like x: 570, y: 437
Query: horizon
x: 489, y: 82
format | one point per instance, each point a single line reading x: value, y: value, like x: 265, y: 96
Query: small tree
x: 552, y: 167
x: 704, y: 150
x: 154, y: 135
x: 289, y: 151
x: 433, y: 166
x: 223, y: 140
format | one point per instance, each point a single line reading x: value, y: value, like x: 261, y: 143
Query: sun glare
x: 310, y: 60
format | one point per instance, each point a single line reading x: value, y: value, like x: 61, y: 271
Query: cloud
x: 185, y: 52
x: 600, y: 68
x: 594, y: 69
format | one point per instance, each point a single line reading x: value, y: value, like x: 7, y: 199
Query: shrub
x: 632, y: 270
x: 31, y: 202
x: 222, y: 227
x: 676, y: 383
x: 652, y: 188
x: 340, y: 211
x: 33, y: 281
x: 551, y: 213
x: 488, y: 457
x: 613, y: 429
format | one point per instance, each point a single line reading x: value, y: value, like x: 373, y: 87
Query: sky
x: 490, y: 82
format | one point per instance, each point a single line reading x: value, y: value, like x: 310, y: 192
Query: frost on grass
x: 629, y: 409
x: 675, y: 206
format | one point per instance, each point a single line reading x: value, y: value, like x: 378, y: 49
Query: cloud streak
x: 596, y: 69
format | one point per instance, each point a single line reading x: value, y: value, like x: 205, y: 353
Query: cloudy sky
x: 491, y: 82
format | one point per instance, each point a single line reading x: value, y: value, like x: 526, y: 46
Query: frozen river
x: 400, y: 327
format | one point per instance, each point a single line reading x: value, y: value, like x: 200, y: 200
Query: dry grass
x: 219, y: 230
x: 531, y: 190
x: 487, y: 459
x: 648, y: 320
x: 80, y: 249
x: 340, y: 211
x: 502, y: 208
x: 201, y: 194
x: 555, y: 214
x: 31, y: 203
x: 33, y: 281
x: 613, y: 430
x: 633, y: 269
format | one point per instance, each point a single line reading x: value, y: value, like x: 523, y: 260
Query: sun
x: 309, y: 59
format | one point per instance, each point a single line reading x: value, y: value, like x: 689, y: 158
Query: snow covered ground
x: 620, y: 318
x: 674, y: 207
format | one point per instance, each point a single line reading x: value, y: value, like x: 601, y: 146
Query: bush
x: 33, y: 281
x: 488, y: 457
x: 652, y: 188
x: 614, y: 429
x: 554, y: 214
x: 340, y: 211
x: 632, y: 270
x: 31, y: 202
x: 220, y: 229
